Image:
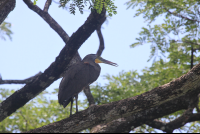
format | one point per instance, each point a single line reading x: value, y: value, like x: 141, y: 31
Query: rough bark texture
x: 53, y: 72
x: 6, y: 6
x: 173, y: 96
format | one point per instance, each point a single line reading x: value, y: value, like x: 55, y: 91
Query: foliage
x: 180, y: 26
x: 5, y: 30
x: 38, y: 112
x: 93, y: 4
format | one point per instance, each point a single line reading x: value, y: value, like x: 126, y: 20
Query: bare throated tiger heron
x: 78, y: 77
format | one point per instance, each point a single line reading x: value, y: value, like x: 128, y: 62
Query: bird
x: 77, y: 77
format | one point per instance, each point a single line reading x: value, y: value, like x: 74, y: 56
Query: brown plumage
x: 78, y: 77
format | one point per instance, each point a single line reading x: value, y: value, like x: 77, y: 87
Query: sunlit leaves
x: 97, y: 5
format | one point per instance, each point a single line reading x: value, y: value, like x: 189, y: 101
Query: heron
x: 77, y: 77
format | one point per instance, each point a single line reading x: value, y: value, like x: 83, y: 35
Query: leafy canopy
x: 180, y: 26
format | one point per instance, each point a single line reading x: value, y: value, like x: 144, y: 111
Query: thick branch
x: 46, y: 6
x: 53, y: 72
x: 125, y: 125
x: 95, y: 115
x: 151, y: 105
x: 19, y: 81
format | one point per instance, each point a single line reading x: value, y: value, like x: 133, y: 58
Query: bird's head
x: 93, y: 58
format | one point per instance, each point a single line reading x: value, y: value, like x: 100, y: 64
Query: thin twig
x: 179, y: 15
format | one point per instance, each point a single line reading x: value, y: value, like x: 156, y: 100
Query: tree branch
x: 6, y: 6
x: 101, y: 40
x: 52, y: 23
x: 179, y: 15
x: 19, y: 81
x: 177, y: 123
x: 188, y: 41
x: 166, y: 99
x: 53, y: 72
x: 159, y: 125
x: 46, y: 6
x: 95, y: 115
x: 89, y: 96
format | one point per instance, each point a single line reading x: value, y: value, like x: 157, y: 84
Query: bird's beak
x: 101, y: 60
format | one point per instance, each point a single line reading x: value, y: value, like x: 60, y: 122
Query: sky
x: 35, y: 45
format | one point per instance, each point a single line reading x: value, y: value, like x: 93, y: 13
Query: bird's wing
x: 75, y: 79
x: 70, y: 73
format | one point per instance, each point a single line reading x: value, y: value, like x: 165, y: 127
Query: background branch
x: 178, y: 122
x: 19, y: 81
x: 89, y: 96
x: 52, y: 23
x: 179, y: 15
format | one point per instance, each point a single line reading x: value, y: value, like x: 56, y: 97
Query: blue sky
x: 35, y: 45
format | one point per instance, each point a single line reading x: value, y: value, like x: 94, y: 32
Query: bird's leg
x: 76, y: 103
x: 71, y: 106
